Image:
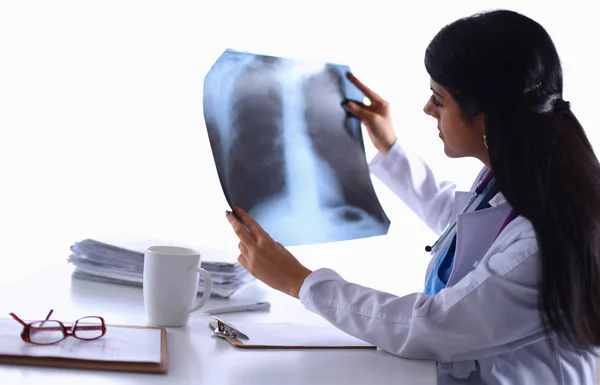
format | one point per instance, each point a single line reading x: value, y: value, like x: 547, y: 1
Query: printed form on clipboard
x: 254, y: 335
x: 123, y: 348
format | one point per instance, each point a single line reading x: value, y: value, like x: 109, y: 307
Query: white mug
x: 171, y: 285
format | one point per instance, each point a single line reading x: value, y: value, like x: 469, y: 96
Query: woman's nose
x: 427, y: 108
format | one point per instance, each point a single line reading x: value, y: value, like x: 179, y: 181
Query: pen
x: 237, y: 308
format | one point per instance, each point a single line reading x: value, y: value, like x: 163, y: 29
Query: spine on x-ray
x: 256, y: 152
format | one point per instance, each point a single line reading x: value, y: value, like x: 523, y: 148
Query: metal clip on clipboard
x: 226, y: 330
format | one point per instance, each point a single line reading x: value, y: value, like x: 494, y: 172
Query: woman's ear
x: 479, y: 123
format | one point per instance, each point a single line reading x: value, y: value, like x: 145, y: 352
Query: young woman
x: 511, y: 294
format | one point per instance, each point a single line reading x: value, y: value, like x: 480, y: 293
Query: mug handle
x: 207, y: 289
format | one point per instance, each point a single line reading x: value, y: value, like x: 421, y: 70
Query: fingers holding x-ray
x: 286, y: 152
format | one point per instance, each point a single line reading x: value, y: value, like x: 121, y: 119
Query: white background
x: 101, y: 124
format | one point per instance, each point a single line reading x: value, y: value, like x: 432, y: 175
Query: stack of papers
x: 124, y: 264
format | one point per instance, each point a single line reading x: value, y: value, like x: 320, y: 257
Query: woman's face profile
x: 462, y: 136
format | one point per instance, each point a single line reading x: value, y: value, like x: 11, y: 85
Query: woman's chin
x: 450, y: 153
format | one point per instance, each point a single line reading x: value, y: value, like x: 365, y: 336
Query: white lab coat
x: 487, y: 314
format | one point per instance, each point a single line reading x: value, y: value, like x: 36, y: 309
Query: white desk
x: 195, y: 357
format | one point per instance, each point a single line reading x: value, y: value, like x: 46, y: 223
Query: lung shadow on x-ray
x: 285, y: 150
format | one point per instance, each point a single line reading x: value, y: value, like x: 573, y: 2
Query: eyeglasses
x: 48, y: 332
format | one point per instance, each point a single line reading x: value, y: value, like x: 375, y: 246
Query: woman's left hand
x: 266, y: 259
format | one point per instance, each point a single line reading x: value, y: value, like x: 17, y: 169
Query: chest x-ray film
x: 285, y: 150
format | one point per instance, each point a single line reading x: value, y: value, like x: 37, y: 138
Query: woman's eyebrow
x: 435, y: 92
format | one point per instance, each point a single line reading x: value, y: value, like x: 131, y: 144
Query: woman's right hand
x: 376, y: 117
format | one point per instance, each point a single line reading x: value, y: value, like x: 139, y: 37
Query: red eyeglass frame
x: 67, y: 331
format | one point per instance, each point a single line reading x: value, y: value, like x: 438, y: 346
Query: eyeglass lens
x: 88, y: 328
x: 46, y: 332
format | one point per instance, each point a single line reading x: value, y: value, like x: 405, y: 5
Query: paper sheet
x: 289, y: 334
x: 118, y: 344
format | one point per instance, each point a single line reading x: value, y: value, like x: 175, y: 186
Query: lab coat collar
x: 497, y: 200
x: 461, y: 198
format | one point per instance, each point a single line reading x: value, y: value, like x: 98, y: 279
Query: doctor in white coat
x: 508, y: 296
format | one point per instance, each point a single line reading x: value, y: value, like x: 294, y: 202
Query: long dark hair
x: 505, y: 65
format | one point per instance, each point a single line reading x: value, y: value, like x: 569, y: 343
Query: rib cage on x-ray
x: 286, y: 152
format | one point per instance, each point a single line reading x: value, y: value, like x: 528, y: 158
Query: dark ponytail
x: 504, y: 65
x: 552, y: 179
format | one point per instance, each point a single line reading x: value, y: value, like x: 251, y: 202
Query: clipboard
x: 277, y: 333
x: 118, y: 366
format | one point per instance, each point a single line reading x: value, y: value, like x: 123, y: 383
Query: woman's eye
x: 435, y: 101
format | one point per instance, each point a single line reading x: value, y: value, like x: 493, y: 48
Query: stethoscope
x: 483, y: 188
